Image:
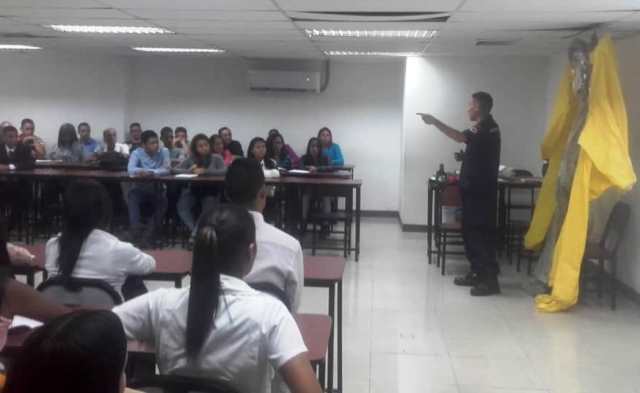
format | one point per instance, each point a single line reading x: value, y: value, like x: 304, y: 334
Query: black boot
x: 470, y: 280
x: 486, y: 287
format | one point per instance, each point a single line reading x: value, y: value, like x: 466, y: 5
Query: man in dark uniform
x: 479, y: 186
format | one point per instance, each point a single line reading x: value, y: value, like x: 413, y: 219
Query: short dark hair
x: 165, y: 131
x: 146, y: 135
x: 181, y: 129
x: 27, y: 121
x: 222, y: 129
x: 134, y: 124
x: 83, y: 351
x: 243, y: 181
x: 484, y: 100
x: 9, y: 129
x: 84, y: 124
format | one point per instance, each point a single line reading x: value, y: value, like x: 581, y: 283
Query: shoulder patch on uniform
x: 473, y: 130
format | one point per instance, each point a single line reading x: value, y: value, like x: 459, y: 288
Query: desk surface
x: 323, y: 269
x: 315, y: 330
x: 339, y: 179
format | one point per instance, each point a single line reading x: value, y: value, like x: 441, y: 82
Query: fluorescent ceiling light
x: 177, y: 50
x: 372, y: 53
x: 408, y: 34
x: 110, y: 29
x: 16, y: 47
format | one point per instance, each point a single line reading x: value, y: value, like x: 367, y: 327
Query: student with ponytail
x: 221, y: 328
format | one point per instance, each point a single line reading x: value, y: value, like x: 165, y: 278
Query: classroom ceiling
x: 276, y: 28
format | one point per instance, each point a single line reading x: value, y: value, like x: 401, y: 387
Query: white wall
x: 443, y: 86
x: 629, y: 64
x: 56, y: 89
x: 362, y: 105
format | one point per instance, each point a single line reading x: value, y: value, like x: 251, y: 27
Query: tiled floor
x: 408, y: 329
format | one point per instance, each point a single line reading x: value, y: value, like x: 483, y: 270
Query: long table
x: 339, y: 180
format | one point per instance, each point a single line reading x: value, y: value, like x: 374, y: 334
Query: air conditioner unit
x: 289, y: 75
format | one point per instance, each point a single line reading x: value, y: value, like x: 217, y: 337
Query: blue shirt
x: 89, y: 148
x: 334, y: 155
x: 140, y: 161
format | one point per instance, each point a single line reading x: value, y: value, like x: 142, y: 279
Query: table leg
x: 358, y: 196
x: 339, y: 323
x: 429, y: 219
x: 332, y: 308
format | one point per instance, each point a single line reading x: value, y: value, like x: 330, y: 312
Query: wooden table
x: 328, y: 272
x: 171, y: 265
x: 315, y: 330
x: 339, y: 180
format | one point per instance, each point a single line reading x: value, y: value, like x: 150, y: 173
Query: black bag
x: 112, y: 161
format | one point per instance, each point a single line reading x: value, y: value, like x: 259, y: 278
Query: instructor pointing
x: 479, y: 186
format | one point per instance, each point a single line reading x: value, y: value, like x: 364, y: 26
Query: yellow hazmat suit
x: 603, y: 162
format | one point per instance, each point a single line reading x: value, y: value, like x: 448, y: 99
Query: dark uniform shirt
x: 479, y: 172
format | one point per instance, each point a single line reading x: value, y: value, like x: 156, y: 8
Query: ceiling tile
x: 207, y: 14
x: 549, y: 5
x: 370, y: 5
x: 53, y: 4
x: 41, y: 12
x: 193, y: 4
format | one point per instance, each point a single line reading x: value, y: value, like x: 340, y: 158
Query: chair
x: 181, y: 384
x: 80, y: 292
x: 447, y: 233
x: 346, y: 216
x: 607, y: 248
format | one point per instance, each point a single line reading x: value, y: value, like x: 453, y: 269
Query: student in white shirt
x: 279, y: 260
x: 110, y: 143
x: 221, y: 328
x: 258, y: 151
x: 83, y: 250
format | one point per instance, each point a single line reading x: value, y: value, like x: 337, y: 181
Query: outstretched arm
x: 445, y: 129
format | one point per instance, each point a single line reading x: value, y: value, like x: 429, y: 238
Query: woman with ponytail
x: 219, y: 327
x: 85, y: 250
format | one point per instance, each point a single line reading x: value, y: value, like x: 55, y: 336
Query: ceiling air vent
x: 23, y: 35
x: 496, y: 42
x: 364, y: 16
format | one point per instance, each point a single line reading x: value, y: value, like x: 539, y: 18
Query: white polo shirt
x: 279, y: 261
x: 252, y: 334
x: 103, y: 256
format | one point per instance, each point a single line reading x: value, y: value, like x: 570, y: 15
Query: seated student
x: 148, y: 161
x: 78, y: 352
x: 15, y: 194
x: 217, y: 147
x: 220, y: 327
x: 110, y: 143
x: 311, y: 161
x: 258, y: 151
x: 234, y: 147
x: 277, y: 152
x: 293, y: 156
x: 84, y: 250
x: 29, y: 138
x: 90, y: 146
x: 166, y: 136
x: 329, y: 149
x: 279, y: 259
x: 200, y: 162
x: 313, y: 158
x: 135, y: 130
x: 181, y: 141
x: 68, y: 149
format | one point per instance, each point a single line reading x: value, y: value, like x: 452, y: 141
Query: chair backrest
x: 615, y: 228
x: 80, y: 292
x: 182, y: 384
x: 272, y: 290
x: 450, y: 195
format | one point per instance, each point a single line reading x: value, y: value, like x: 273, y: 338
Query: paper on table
x: 299, y: 171
x: 19, y: 321
x: 186, y: 176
